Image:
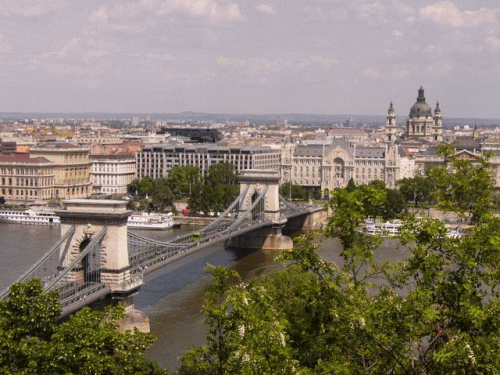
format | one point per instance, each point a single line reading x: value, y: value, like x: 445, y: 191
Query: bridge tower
x: 90, y: 216
x: 269, y: 237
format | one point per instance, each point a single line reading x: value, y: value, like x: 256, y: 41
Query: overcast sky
x: 244, y: 56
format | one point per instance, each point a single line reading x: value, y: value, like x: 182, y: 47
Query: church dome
x: 421, y: 108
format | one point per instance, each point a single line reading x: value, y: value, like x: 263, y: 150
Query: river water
x: 172, y: 297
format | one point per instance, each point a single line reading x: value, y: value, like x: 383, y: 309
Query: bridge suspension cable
x: 94, y: 245
x: 46, y: 267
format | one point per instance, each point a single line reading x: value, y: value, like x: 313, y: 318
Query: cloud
x: 410, y: 19
x: 265, y: 8
x: 100, y: 15
x: 447, y: 13
x: 403, y: 8
x: 492, y: 41
x: 324, y: 62
x: 29, y: 8
x: 4, y: 47
x: 371, y: 73
x: 202, y: 8
x: 221, y: 60
x: 375, y: 8
x: 397, y: 33
x: 260, y: 64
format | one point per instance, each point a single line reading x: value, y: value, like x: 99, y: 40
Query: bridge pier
x: 267, y: 238
x: 90, y: 216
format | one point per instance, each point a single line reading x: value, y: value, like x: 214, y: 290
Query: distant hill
x: 257, y: 119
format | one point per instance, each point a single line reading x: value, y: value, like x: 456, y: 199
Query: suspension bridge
x: 97, y: 257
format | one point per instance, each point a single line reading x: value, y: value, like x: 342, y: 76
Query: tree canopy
x: 33, y: 341
x: 435, y: 312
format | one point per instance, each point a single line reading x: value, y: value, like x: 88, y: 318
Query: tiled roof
x: 22, y: 158
x: 370, y: 152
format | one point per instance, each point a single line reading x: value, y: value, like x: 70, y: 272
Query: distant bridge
x: 97, y: 257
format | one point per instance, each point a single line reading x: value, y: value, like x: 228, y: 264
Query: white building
x: 156, y: 160
x: 112, y: 173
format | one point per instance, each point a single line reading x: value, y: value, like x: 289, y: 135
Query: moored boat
x: 145, y: 220
x: 33, y: 215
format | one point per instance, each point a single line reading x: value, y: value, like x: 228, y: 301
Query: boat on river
x: 33, y: 215
x: 383, y: 229
x: 151, y: 220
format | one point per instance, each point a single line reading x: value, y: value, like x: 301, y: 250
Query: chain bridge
x: 97, y: 257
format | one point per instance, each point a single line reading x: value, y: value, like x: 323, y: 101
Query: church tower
x: 438, y: 124
x: 421, y: 123
x: 390, y: 126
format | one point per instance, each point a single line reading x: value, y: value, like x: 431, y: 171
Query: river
x: 172, y: 297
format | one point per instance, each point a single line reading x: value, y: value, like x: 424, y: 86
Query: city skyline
x: 229, y: 56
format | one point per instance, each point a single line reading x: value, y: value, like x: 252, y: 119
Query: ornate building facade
x: 26, y: 180
x: 71, y: 168
x: 332, y: 165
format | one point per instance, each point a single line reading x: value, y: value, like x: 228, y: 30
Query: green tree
x: 285, y: 190
x: 217, y: 191
x: 394, y: 206
x: 32, y: 341
x: 351, y: 185
x: 417, y: 189
x: 465, y: 186
x: 161, y: 195
x: 436, y: 312
x: 181, y: 179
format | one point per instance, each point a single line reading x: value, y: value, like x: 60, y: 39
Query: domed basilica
x: 421, y: 125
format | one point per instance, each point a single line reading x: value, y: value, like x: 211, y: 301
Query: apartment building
x: 111, y: 173
x: 71, y: 165
x: 25, y: 180
x: 156, y: 160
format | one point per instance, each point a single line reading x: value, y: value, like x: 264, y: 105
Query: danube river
x: 171, y: 297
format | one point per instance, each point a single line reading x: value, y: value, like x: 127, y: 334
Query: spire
x: 391, y: 108
x: 437, y: 110
x: 421, y: 97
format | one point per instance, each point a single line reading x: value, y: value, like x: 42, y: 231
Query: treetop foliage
x: 435, y: 312
x: 33, y: 341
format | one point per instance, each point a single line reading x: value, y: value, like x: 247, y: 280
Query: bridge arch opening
x: 258, y: 211
x: 91, y: 270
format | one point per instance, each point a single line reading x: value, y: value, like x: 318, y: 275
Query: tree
x: 285, y: 190
x: 436, y: 312
x: 32, y: 341
x: 465, y: 186
x: 181, y: 179
x: 222, y: 174
x: 161, y: 195
x: 351, y: 185
x: 417, y: 189
x: 217, y: 191
x: 394, y: 206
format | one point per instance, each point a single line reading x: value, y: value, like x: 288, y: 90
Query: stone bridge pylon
x: 109, y: 265
x: 268, y: 238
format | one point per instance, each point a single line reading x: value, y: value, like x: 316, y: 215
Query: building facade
x: 26, y: 180
x: 112, y: 173
x: 156, y: 160
x: 71, y: 168
x: 330, y: 166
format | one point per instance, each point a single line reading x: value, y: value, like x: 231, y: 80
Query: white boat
x: 387, y: 229
x: 453, y: 232
x: 145, y: 220
x: 33, y: 215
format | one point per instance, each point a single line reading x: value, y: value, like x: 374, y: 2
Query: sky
x: 244, y: 56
